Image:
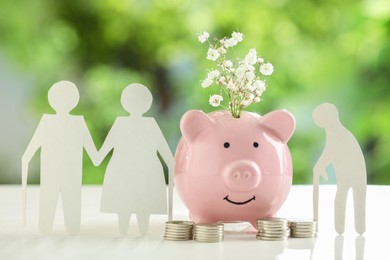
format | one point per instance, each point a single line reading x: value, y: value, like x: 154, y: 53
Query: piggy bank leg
x: 143, y: 223
x: 123, y: 222
x: 199, y: 219
x: 254, y: 224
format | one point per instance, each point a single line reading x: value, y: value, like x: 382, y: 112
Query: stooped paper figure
x: 134, y: 180
x: 342, y: 151
x: 61, y: 138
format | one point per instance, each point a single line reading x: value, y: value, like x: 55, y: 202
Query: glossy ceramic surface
x: 230, y: 169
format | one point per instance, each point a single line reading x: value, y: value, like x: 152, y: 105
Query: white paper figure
x: 343, y: 152
x: 61, y: 138
x: 134, y: 180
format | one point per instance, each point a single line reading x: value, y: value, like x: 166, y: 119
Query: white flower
x: 231, y: 86
x: 256, y: 99
x: 221, y: 80
x: 250, y: 87
x: 212, y: 54
x: 230, y: 42
x: 266, y: 69
x: 250, y: 75
x: 207, y: 83
x: 203, y: 37
x: 215, y: 100
x: 227, y: 63
x: 237, y: 36
x: 251, y: 57
x: 258, y: 92
x: 249, y: 67
x: 260, y: 60
x: 240, y: 72
x: 222, y: 50
x: 213, y: 74
x: 259, y: 85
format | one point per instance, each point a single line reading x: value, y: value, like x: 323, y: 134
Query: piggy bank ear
x: 192, y: 123
x: 279, y: 123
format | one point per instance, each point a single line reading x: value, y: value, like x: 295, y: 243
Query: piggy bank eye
x: 226, y: 145
x: 255, y: 144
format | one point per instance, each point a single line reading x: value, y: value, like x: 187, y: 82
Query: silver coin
x: 303, y: 231
x: 274, y: 228
x: 272, y: 220
x: 179, y: 222
x: 271, y: 232
x: 179, y: 228
x: 274, y: 236
x: 207, y: 238
x: 303, y: 236
x: 303, y: 227
x: 208, y: 226
x: 177, y: 239
x: 271, y: 238
x: 272, y: 223
x: 208, y: 233
x: 303, y: 223
x: 178, y: 233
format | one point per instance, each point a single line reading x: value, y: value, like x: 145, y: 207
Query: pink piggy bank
x: 234, y: 169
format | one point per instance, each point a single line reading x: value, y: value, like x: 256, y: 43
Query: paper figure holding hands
x: 344, y: 153
x: 134, y: 180
x: 61, y: 138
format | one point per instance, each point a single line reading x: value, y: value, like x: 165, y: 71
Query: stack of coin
x: 303, y: 228
x: 272, y: 229
x: 209, y: 233
x: 178, y: 230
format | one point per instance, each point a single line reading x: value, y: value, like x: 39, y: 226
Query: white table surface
x: 99, y: 237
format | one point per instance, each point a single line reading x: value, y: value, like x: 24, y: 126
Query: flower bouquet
x: 238, y: 81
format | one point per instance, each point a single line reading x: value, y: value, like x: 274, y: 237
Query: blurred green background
x: 322, y: 51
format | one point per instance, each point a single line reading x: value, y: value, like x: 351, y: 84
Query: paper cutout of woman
x: 134, y: 180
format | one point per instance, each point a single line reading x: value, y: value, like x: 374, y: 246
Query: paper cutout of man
x: 61, y: 138
x: 342, y: 151
x: 134, y: 180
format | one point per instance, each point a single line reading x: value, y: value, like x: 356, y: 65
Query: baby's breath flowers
x: 238, y: 80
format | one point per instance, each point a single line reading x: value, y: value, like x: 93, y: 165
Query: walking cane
x: 316, y: 179
x: 24, y: 192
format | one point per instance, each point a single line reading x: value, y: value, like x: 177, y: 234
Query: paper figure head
x: 325, y: 115
x: 136, y: 99
x: 63, y: 96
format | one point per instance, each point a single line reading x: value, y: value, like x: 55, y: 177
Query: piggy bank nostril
x: 236, y: 175
x: 247, y: 175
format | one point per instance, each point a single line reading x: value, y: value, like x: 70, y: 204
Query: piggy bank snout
x: 241, y: 175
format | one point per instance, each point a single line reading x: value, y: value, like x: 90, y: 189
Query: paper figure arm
x: 108, y: 144
x: 322, y: 163
x: 89, y: 145
x: 167, y: 156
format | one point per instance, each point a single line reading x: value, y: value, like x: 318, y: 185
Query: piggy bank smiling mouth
x: 239, y: 202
